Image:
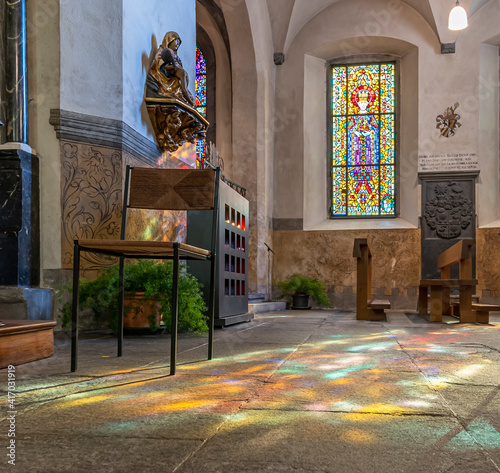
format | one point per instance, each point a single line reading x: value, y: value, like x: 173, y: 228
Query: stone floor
x: 292, y: 391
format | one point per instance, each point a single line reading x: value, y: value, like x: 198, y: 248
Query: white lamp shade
x: 458, y: 19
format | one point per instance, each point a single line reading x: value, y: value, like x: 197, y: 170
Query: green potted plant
x: 298, y: 288
x: 148, y: 293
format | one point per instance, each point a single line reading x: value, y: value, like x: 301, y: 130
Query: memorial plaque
x: 452, y: 162
x: 448, y: 215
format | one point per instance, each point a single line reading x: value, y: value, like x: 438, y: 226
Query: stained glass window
x: 363, y: 140
x: 201, y: 101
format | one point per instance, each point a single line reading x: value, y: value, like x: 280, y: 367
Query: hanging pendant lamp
x: 458, y: 18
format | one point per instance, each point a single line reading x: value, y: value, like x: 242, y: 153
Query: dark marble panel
x: 3, y: 90
x: 19, y: 218
x: 14, y: 77
x: 10, y: 196
x: 8, y: 258
x: 448, y: 215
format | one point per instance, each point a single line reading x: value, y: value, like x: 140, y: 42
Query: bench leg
x: 446, y: 300
x: 483, y: 316
x: 376, y: 314
x: 362, y: 313
x: 422, y: 300
x: 467, y: 315
x: 436, y: 304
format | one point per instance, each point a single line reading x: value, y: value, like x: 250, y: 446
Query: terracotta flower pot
x: 137, y: 311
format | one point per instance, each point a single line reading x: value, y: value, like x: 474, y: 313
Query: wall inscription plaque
x: 451, y: 162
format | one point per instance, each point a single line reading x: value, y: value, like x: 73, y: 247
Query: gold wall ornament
x: 171, y: 107
x: 448, y: 121
x: 175, y: 123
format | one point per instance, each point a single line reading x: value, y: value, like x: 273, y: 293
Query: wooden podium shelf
x: 22, y: 341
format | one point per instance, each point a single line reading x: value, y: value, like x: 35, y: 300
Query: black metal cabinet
x: 231, y: 301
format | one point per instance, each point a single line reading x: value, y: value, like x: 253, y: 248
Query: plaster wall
x: 487, y: 188
x: 244, y: 117
x: 267, y: 123
x: 223, y: 91
x: 301, y: 165
x: 91, y: 57
x: 42, y: 27
x: 145, y: 23
x: 429, y: 83
x: 484, y: 32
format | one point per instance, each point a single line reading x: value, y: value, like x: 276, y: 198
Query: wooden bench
x: 482, y: 311
x: 461, y: 254
x: 22, y: 341
x: 366, y: 309
x: 440, y: 298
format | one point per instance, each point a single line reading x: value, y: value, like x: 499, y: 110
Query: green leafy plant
x: 153, y: 279
x: 300, y: 284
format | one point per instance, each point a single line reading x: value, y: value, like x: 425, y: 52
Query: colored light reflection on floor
x: 347, y: 380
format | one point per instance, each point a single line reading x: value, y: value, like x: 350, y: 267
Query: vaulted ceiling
x: 288, y: 17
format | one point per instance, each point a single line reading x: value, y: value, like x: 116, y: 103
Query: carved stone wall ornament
x: 448, y: 122
x: 449, y: 211
x: 91, y: 192
x: 175, y: 123
x: 171, y: 107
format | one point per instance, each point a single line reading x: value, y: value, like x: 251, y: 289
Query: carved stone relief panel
x: 91, y: 189
x: 91, y: 192
x: 450, y: 210
x: 448, y: 215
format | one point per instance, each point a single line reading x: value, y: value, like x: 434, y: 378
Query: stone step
x: 260, y: 307
x: 254, y: 297
x: 18, y: 303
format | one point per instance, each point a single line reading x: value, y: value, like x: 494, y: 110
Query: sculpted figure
x: 167, y: 78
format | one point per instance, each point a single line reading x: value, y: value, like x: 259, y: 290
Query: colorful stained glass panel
x: 363, y: 89
x: 387, y: 182
x: 339, y: 191
x: 339, y: 91
x: 201, y: 101
x: 363, y: 140
x: 339, y: 141
x: 387, y: 85
x: 363, y: 198
x: 387, y: 139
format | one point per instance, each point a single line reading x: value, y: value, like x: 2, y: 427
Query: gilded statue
x: 171, y: 107
x: 167, y: 78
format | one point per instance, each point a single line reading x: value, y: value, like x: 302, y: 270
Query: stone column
x: 14, y: 83
x: 3, y: 130
x: 19, y: 176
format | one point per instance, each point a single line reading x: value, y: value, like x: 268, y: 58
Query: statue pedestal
x: 175, y: 123
x: 19, y: 216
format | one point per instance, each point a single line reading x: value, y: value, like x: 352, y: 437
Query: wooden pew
x: 482, y: 311
x: 366, y: 309
x: 461, y: 254
x: 22, y: 341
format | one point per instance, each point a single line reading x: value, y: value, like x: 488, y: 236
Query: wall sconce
x: 458, y: 18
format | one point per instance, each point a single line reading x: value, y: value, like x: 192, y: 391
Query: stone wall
x: 488, y: 264
x: 328, y: 256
